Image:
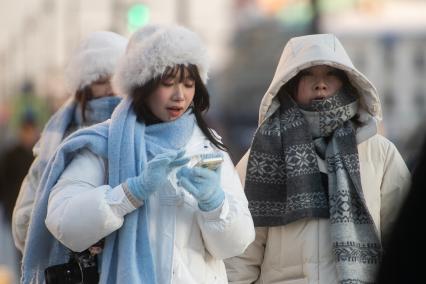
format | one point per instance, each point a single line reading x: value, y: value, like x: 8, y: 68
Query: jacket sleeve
x: 24, y: 205
x: 394, y: 188
x: 81, y: 208
x: 245, y: 268
x: 229, y: 230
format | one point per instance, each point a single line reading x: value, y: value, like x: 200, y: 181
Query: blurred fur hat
x: 96, y: 57
x: 152, y: 49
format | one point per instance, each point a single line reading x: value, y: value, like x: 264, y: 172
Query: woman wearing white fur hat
x: 91, y: 101
x: 323, y: 186
x: 132, y: 180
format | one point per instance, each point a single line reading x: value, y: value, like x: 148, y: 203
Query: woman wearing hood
x: 323, y: 186
x: 134, y: 180
x: 87, y: 78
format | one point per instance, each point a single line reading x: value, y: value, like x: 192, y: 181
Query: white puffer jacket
x: 82, y: 210
x: 301, y: 252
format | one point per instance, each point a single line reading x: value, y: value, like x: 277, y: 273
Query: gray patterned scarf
x: 283, y: 181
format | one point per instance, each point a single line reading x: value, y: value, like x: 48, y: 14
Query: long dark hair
x: 201, y: 101
x: 82, y: 96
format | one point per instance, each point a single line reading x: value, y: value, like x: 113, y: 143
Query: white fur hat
x: 152, y: 49
x: 96, y: 57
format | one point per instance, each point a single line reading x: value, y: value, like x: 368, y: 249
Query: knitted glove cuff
x: 135, y: 188
x: 213, y: 202
x: 132, y: 198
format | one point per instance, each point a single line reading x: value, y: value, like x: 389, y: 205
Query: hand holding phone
x: 201, y: 178
x: 210, y: 161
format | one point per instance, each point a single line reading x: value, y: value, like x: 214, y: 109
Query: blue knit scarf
x: 69, y: 116
x: 97, y: 110
x: 127, y: 145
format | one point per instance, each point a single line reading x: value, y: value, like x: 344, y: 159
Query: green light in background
x: 301, y: 11
x: 336, y: 5
x: 137, y: 16
x: 297, y: 12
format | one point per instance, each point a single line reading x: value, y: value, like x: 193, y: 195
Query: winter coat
x: 301, y: 252
x: 201, y: 240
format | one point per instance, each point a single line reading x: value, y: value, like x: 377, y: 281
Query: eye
x: 189, y: 83
x: 333, y: 72
x: 305, y: 73
x: 100, y: 82
x: 167, y: 82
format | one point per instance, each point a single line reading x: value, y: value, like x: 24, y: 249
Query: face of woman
x: 172, y: 97
x: 317, y: 83
x: 101, y: 88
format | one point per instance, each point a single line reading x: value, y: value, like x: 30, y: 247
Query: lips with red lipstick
x: 174, y: 111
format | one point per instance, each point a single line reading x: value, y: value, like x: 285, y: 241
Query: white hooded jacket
x: 301, y: 252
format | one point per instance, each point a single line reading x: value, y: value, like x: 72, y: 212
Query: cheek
x: 94, y: 90
x: 161, y: 97
x: 304, y: 84
x: 157, y: 104
x: 154, y: 103
x: 103, y: 90
x: 100, y: 90
x: 336, y: 85
x: 190, y: 95
x: 302, y: 91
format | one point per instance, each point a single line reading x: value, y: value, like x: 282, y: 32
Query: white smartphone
x: 211, y: 163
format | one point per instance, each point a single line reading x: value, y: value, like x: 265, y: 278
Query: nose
x: 178, y: 94
x: 320, y: 85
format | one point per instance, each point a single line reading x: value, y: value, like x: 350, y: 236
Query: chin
x: 170, y: 118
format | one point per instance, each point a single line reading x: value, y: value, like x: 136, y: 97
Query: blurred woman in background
x: 87, y: 78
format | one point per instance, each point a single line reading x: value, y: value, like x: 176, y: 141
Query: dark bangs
x: 171, y: 72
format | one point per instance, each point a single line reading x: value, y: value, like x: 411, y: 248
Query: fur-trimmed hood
x: 320, y: 49
x: 152, y: 49
x: 96, y: 57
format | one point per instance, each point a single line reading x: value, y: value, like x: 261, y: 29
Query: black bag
x: 81, y: 268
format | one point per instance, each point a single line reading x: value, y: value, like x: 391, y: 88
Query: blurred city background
x: 386, y: 40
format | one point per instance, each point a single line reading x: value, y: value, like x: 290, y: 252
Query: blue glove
x: 204, y: 185
x: 155, y: 175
